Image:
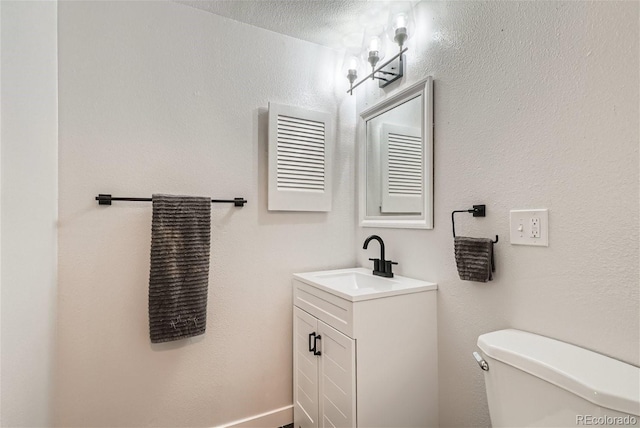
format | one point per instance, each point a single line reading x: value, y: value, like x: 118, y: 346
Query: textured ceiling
x: 333, y: 23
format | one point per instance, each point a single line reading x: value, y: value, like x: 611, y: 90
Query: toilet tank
x: 535, y: 381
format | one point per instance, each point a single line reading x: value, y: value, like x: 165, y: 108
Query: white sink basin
x: 356, y: 280
x: 360, y: 284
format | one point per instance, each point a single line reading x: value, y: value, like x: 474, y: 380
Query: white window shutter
x: 300, y: 148
x: 402, y: 167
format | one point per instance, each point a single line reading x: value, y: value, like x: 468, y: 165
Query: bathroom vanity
x: 364, y: 350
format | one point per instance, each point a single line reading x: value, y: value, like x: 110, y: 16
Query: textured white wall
x: 536, y: 106
x: 29, y: 210
x: 160, y: 97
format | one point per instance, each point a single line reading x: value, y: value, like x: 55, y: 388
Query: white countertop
x: 356, y: 284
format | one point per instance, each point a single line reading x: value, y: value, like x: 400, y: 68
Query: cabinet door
x: 337, y: 378
x: 305, y: 371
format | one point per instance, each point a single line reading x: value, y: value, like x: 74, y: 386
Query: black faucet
x: 381, y: 267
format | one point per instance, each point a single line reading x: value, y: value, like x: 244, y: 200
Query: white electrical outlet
x: 529, y: 227
x: 535, y: 228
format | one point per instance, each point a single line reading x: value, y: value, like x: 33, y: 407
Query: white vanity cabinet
x: 325, y: 362
x: 364, y: 357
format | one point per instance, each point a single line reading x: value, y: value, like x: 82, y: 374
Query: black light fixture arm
x: 396, y: 75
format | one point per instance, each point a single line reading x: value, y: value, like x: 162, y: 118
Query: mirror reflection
x: 395, y: 161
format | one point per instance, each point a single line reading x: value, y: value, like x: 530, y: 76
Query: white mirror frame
x: 424, y: 221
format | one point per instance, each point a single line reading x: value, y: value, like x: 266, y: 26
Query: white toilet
x: 534, y: 381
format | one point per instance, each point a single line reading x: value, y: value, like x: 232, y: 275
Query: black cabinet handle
x: 315, y: 345
x: 312, y: 345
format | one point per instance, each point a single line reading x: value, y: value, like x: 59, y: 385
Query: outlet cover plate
x: 521, y: 222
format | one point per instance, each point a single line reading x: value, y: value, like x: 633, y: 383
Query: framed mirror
x: 396, y: 160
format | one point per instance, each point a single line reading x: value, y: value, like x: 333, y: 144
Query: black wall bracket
x: 477, y: 211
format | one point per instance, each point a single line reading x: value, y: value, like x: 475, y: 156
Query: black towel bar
x: 477, y: 211
x: 105, y: 199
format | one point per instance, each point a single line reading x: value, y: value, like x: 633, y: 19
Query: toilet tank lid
x: 597, y: 378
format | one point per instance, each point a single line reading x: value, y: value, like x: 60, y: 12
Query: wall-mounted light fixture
x: 351, y: 68
x: 373, y: 45
x: 399, y: 29
x: 400, y: 26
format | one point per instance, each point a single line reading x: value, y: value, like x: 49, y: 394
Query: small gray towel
x: 474, y: 258
x: 179, y: 274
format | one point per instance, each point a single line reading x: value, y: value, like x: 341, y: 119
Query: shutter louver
x: 300, y: 154
x: 405, y: 165
x: 300, y: 144
x: 402, y: 166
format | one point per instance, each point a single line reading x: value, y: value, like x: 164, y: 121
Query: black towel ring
x: 477, y: 211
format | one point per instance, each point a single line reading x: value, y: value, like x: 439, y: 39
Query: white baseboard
x: 272, y: 419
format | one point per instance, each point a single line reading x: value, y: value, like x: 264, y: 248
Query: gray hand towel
x: 179, y: 274
x: 474, y: 258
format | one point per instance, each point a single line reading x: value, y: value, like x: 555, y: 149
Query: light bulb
x: 401, y: 23
x: 373, y: 46
x: 400, y: 34
x: 373, y: 55
x: 350, y: 66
